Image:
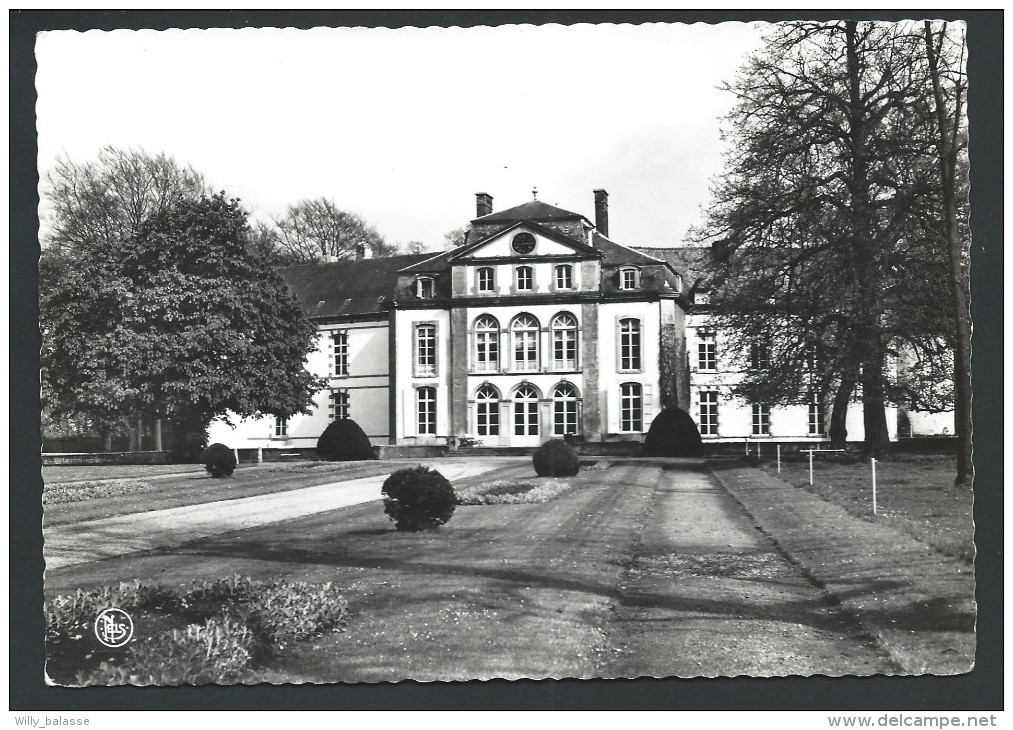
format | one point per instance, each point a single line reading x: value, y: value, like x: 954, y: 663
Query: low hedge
x: 556, y: 458
x: 418, y: 499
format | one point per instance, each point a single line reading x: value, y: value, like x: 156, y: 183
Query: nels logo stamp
x: 114, y: 628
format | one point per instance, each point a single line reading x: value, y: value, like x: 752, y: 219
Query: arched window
x: 526, y: 411
x: 564, y: 410
x: 525, y: 278
x: 631, y: 407
x: 564, y: 342
x: 486, y: 279
x: 525, y: 339
x: 486, y: 344
x: 487, y: 411
x: 629, y: 345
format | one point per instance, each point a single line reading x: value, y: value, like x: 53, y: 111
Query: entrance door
x: 525, y: 417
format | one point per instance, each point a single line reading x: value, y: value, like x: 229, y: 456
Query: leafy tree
x: 317, y: 230
x: 824, y: 211
x: 104, y: 201
x: 183, y: 322
x: 414, y: 247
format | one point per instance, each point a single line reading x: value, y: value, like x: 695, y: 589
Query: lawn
x: 133, y: 491
x: 506, y: 590
x: 914, y: 494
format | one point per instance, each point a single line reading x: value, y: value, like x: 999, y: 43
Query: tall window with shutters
x: 631, y: 407
x: 629, y: 345
x: 425, y: 350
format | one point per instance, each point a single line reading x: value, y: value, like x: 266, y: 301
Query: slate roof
x: 533, y: 210
x: 690, y: 261
x: 616, y: 254
x: 347, y: 288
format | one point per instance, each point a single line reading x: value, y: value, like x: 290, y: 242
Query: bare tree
x: 105, y: 200
x: 823, y: 206
x: 315, y: 230
x: 945, y: 55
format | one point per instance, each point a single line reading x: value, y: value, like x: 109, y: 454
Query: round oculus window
x: 524, y: 243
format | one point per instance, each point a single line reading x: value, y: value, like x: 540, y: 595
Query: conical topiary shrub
x: 219, y: 460
x: 556, y: 458
x: 344, y: 440
x: 673, y: 433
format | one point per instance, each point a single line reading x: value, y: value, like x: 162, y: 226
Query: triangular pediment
x: 524, y: 239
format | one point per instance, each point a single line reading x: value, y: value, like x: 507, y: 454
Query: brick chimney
x: 601, y: 212
x: 483, y: 204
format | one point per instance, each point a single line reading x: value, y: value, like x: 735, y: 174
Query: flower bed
x: 513, y: 491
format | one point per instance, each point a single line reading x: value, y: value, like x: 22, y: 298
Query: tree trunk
x: 866, y: 263
x: 108, y: 445
x: 158, y: 434
x: 839, y: 412
x: 959, y: 289
x: 132, y: 444
x: 140, y: 434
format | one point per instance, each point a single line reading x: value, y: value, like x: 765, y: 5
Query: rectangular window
x: 564, y: 276
x: 707, y: 352
x: 486, y: 351
x: 564, y: 349
x: 425, y: 350
x: 629, y: 345
x: 339, y: 344
x: 526, y: 350
x: 761, y: 419
x: 628, y: 279
x: 526, y: 418
x: 564, y: 417
x: 708, y: 413
x: 427, y: 411
x: 339, y: 404
x: 280, y: 427
x: 758, y: 356
x: 425, y: 287
x: 631, y: 407
x: 487, y: 418
x: 816, y: 427
x: 525, y: 278
x: 486, y: 280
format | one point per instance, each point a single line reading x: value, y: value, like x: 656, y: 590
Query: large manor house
x: 539, y: 326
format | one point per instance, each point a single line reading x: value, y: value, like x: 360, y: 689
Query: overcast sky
x: 404, y: 126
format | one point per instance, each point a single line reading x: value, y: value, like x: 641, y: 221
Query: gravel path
x: 98, y: 539
x: 708, y: 595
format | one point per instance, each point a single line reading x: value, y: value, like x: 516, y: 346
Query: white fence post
x: 779, y: 458
x: 810, y: 467
x: 874, y: 506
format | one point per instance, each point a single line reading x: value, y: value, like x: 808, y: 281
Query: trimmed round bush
x: 219, y: 460
x: 418, y: 499
x: 344, y: 440
x: 673, y: 433
x: 556, y: 458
